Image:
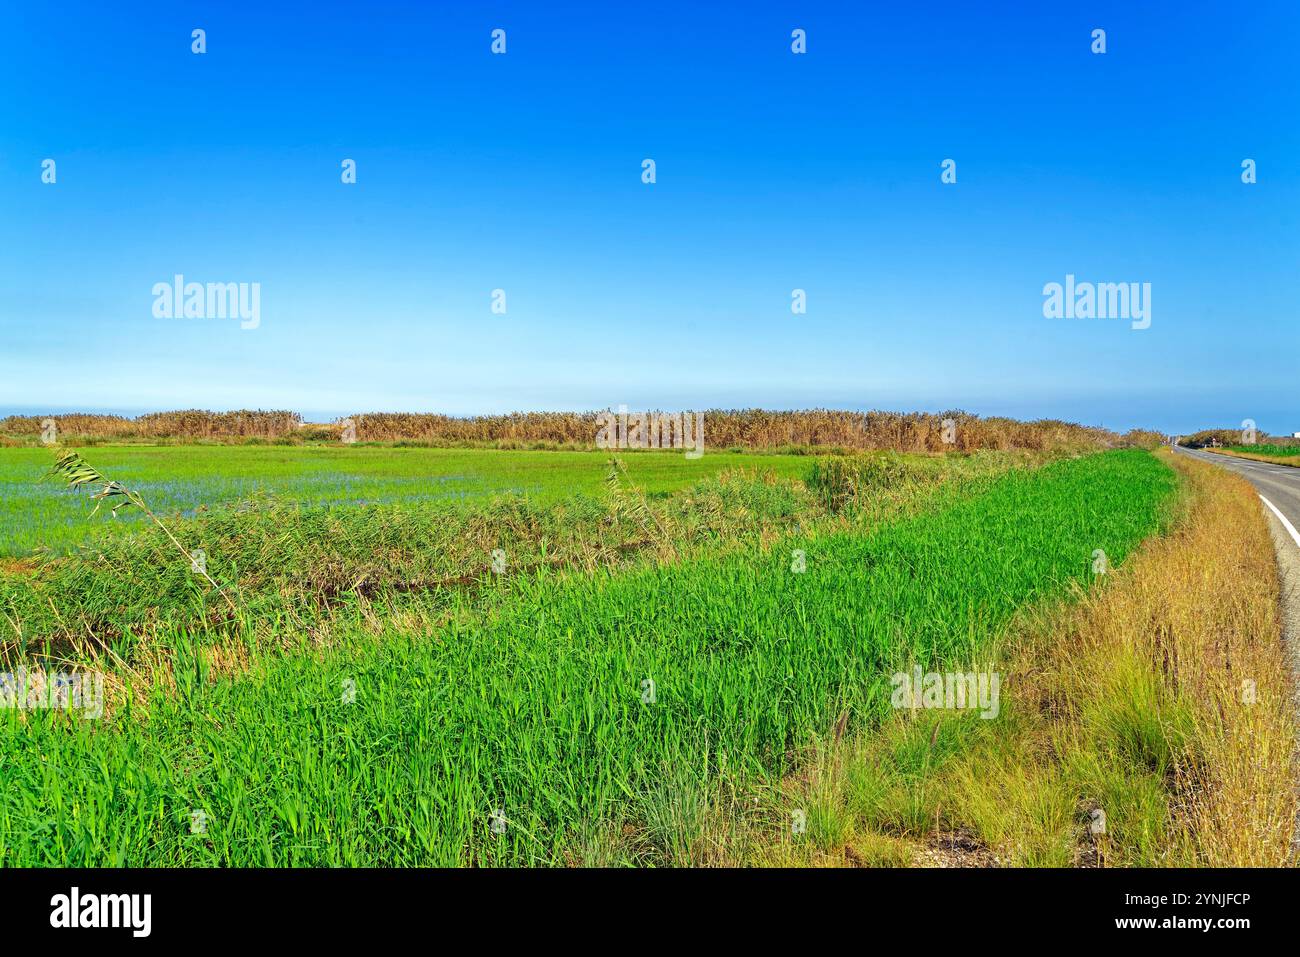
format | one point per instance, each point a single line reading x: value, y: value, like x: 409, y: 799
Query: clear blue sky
x: 775, y: 172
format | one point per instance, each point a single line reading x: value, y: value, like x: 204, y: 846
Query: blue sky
x: 775, y: 171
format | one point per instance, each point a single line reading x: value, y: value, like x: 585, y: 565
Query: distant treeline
x: 1236, y: 436
x: 758, y: 428
x: 723, y: 428
x: 187, y: 424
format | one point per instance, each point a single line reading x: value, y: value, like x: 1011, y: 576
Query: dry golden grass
x: 760, y: 428
x: 187, y: 424
x: 1191, y: 633
x: 724, y: 428
x: 1162, y: 698
x: 74, y: 423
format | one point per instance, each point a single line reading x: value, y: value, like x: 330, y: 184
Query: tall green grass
x: 537, y: 709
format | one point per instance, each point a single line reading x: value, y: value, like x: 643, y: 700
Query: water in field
x: 182, y: 480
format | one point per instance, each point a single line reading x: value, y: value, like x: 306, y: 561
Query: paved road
x: 1278, y: 485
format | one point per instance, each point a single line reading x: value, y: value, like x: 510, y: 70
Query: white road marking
x: 1295, y: 536
x: 1286, y: 523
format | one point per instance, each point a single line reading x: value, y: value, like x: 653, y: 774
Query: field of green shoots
x: 1276, y: 450
x: 179, y: 479
x: 641, y: 656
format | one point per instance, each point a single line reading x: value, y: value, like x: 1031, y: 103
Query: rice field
x: 585, y: 712
x: 178, y: 480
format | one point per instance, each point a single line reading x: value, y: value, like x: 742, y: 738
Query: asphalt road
x: 1278, y: 485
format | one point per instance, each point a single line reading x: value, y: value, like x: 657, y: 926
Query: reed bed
x: 724, y: 428
x: 763, y: 429
x: 186, y: 424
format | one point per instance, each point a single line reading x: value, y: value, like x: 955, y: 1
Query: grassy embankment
x: 1161, y: 699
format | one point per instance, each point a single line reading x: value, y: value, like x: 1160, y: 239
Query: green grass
x: 179, y: 479
x: 1281, y: 450
x: 536, y: 708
